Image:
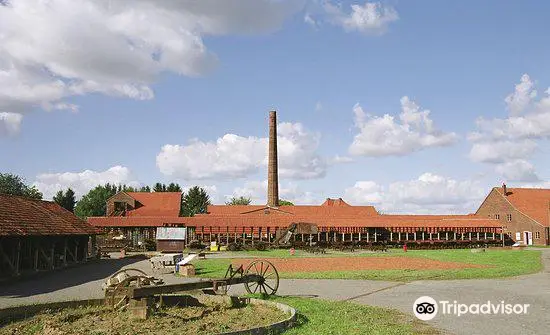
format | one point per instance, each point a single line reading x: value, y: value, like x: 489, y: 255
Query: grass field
x: 322, y: 317
x: 500, y: 263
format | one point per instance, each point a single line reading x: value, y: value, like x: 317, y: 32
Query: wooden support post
x: 359, y: 236
x: 318, y: 236
x: 391, y: 236
x: 65, y: 251
x: 343, y: 237
x: 446, y: 235
x: 76, y: 252
x: 415, y: 235
x: 36, y: 257
x: 52, y: 256
x: 485, y: 235
x: 375, y: 237
x: 423, y: 236
x: 438, y: 236
x: 367, y: 236
x: 18, y: 257
x: 455, y: 234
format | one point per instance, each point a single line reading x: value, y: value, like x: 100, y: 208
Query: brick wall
x: 496, y: 204
x: 119, y: 197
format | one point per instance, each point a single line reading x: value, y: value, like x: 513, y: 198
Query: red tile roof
x: 285, y: 220
x: 22, y: 216
x: 533, y: 202
x: 301, y: 210
x: 156, y: 203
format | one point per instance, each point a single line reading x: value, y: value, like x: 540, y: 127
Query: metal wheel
x: 268, y: 282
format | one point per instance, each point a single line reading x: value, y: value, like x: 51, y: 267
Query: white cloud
x: 429, y: 193
x: 522, y: 97
x: 82, y: 182
x: 233, y: 156
x: 52, y: 50
x: 257, y: 191
x: 341, y: 159
x: 318, y: 106
x: 369, y: 18
x: 308, y: 19
x: 501, y: 151
x: 517, y: 170
x: 509, y: 141
x: 10, y: 123
x: 385, y: 136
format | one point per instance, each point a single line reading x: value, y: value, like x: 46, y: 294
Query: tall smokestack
x: 272, y: 164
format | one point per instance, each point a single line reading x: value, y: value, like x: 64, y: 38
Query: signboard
x: 171, y: 233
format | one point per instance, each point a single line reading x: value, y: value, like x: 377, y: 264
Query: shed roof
x: 20, y: 216
x: 285, y: 220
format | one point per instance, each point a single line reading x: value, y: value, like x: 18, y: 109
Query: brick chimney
x: 504, y: 190
x: 272, y: 164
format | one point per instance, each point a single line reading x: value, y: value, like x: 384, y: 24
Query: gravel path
x: 85, y: 282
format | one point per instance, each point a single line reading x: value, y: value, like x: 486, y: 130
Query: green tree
x: 65, y: 199
x: 94, y: 203
x: 159, y: 187
x: 285, y: 203
x: 15, y: 185
x: 173, y: 188
x: 238, y: 201
x: 195, y: 201
x: 145, y: 189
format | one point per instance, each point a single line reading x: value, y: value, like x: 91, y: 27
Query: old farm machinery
x: 133, y: 289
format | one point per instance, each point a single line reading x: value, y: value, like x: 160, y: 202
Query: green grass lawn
x: 322, y: 317
x: 500, y: 263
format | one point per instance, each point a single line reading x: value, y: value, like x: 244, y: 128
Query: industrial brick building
x: 37, y: 235
x: 523, y: 212
x: 136, y: 215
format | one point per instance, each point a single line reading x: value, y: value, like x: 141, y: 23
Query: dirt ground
x: 312, y: 264
x: 100, y: 320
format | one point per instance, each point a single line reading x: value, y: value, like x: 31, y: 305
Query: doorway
x: 528, y: 238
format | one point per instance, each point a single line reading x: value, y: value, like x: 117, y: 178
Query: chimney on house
x: 504, y: 191
x: 272, y: 164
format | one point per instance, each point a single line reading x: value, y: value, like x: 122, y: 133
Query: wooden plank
x: 139, y: 292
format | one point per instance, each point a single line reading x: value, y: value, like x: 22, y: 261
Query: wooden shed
x: 37, y: 235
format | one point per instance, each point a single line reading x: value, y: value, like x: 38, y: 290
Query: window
x: 509, y: 217
x: 497, y: 216
x: 537, y: 234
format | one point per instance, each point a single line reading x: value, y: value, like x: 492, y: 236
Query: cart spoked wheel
x: 268, y: 281
x: 117, y: 297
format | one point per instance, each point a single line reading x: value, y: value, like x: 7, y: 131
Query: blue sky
x: 80, y: 106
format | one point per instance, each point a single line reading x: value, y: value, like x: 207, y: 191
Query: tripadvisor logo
x: 426, y: 308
